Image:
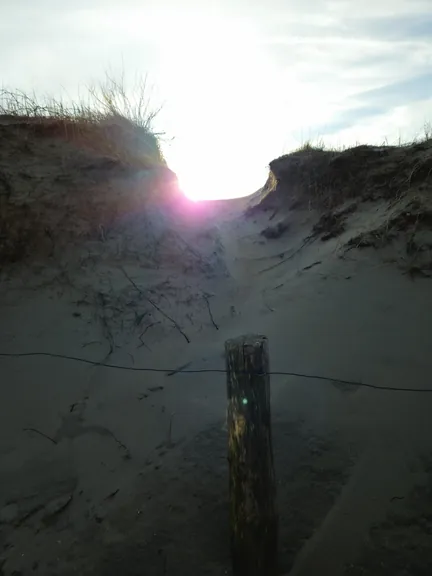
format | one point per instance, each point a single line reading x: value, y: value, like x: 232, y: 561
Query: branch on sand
x: 205, y: 296
x: 150, y: 301
x: 40, y: 434
x: 142, y: 334
x: 306, y: 241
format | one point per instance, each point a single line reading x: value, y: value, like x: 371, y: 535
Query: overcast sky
x: 241, y: 81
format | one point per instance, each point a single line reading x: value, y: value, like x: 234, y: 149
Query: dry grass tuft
x: 111, y: 121
x: 323, y: 178
x: 71, y: 169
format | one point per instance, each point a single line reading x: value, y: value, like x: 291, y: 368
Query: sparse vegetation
x: 110, y: 120
x: 323, y: 178
x: 309, y: 146
x: 79, y: 147
x: 339, y: 186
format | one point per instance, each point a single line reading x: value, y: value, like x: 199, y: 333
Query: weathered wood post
x: 252, y: 485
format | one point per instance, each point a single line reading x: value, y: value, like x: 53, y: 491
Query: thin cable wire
x: 175, y: 371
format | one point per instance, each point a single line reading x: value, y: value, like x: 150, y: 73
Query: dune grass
x: 110, y: 119
x: 323, y: 176
x: 319, y: 144
x: 110, y: 122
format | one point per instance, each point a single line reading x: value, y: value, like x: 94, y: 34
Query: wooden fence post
x: 252, y: 485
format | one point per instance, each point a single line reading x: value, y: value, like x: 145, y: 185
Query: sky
x: 240, y: 81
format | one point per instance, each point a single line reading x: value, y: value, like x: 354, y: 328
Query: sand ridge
x: 107, y: 471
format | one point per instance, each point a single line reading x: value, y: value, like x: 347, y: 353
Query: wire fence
x: 179, y: 371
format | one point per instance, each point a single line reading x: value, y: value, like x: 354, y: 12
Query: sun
x: 223, y: 134
x: 201, y: 186
x: 205, y: 175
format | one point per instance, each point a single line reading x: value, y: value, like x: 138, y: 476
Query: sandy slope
x: 107, y: 471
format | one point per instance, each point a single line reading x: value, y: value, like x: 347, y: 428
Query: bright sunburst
x: 213, y: 70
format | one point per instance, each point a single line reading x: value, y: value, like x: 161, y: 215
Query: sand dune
x: 115, y: 471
